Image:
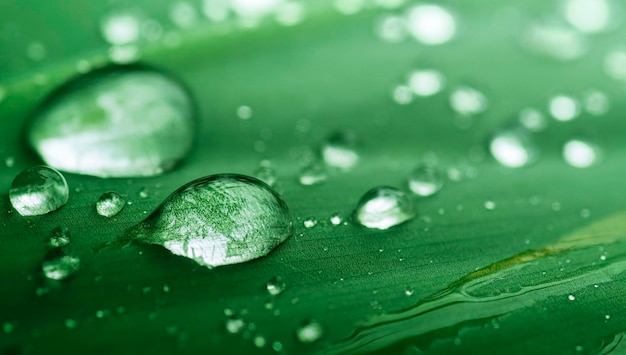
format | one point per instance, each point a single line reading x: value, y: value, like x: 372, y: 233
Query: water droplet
x: 532, y: 120
x: 555, y: 41
x: 313, y: 174
x: 110, y: 204
x: 216, y: 11
x: 383, y: 207
x: 426, y: 82
x: 183, y: 14
x: 244, y: 112
x: 259, y: 341
x: 468, y: 101
x: 120, y: 27
x: 588, y: 16
x: 218, y: 220
x: 596, y: 103
x: 267, y: 175
x: 277, y: 346
x: 571, y: 297
x: 309, y: 331
x: 425, y: 181
x: 339, y: 150
x: 9, y: 162
x: 151, y: 30
x: 585, y: 213
x: 336, y: 219
x: 431, y: 24
x: 409, y: 291
x: 143, y: 193
x: 564, y: 108
x: 115, y: 123
x: 59, y: 237
x: 276, y: 285
x: 38, y: 190
x: 513, y: 148
x: 579, y: 153
x: 402, y: 95
x: 490, y: 205
x: 58, y: 266
x: 309, y: 223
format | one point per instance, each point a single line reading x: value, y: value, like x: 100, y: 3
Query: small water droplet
x: 277, y: 346
x: 468, y: 101
x: 336, y: 219
x: 143, y: 193
x: 218, y: 220
x: 579, y: 153
x: 571, y: 297
x: 9, y: 162
x: 110, y: 204
x: 38, y: 190
x: 276, y: 286
x: 36, y: 51
x: 383, y: 207
x: 244, y: 112
x: 259, y: 341
x: 564, y: 108
x: 490, y: 205
x: 391, y: 29
x: 59, y: 237
x: 585, y: 213
x: 426, y: 82
x: 431, y: 24
x: 234, y: 324
x: 339, y: 150
x: 409, y: 291
x: 120, y: 27
x: 313, y: 174
x: 513, y: 148
x: 115, y: 123
x: 425, y: 181
x: 309, y: 331
x: 58, y: 266
x: 402, y: 95
x: 310, y: 223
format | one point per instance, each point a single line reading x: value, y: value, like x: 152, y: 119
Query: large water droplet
x: 309, y: 331
x: 38, y: 190
x: 513, y: 149
x: 58, y: 266
x: 110, y: 204
x: 383, y: 207
x: 339, y: 150
x: 579, y: 153
x: 425, y: 180
x: 431, y: 24
x: 120, y: 122
x: 218, y: 220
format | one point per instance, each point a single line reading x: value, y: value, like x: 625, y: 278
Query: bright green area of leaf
x: 332, y: 71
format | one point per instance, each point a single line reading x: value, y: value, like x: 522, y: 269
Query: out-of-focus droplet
x: 110, y: 204
x: 59, y: 237
x: 124, y: 54
x: 235, y: 324
x: 391, y: 29
x: 579, y: 153
x: 513, y: 148
x: 596, y: 103
x: 218, y: 220
x: 183, y: 14
x: 36, y: 51
x: 290, y: 13
x: 555, y: 41
x: 431, y: 24
x: 588, y: 16
x: 533, y: 120
x: 215, y: 10
x: 402, y: 95
x: 313, y: 174
x: 252, y: 9
x: 336, y: 219
x: 123, y: 122
x: 120, y: 27
x: 615, y: 64
x: 309, y: 223
x: 349, y: 7
x: 339, y: 150
x: 38, y: 190
x: 58, y: 266
x: 468, y: 101
x: 267, y: 175
x: 564, y: 108
x: 309, y: 331
x: 244, y: 112
x: 489, y: 205
x: 383, y: 207
x: 426, y: 82
x: 425, y: 180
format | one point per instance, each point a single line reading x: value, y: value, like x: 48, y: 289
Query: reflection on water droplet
x: 259, y: 341
x: 589, y: 16
x: 468, y: 101
x: 513, y: 148
x: 234, y: 324
x: 309, y: 331
x: 313, y: 174
x: 383, y: 207
x: 275, y: 286
x: 425, y: 180
x: 38, y: 190
x: 339, y: 150
x: 115, y: 123
x: 110, y: 204
x: 124, y: 54
x: 564, y: 108
x: 59, y: 237
x: 218, y: 220
x: 426, y: 82
x: 579, y: 153
x: 532, y: 120
x: 431, y: 24
x: 58, y: 266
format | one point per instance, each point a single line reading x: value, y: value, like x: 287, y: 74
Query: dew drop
x: 59, y: 237
x: 431, y: 24
x: 513, y: 148
x: 425, y: 181
x: 339, y: 150
x: 218, y: 220
x: 468, y: 101
x: 336, y: 219
x: 110, y: 204
x: 555, y: 41
x: 309, y: 331
x: 259, y: 341
x: 313, y: 174
x: 383, y: 207
x: 58, y: 266
x: 309, y: 223
x: 571, y: 297
x: 426, y: 82
x: 391, y: 29
x: 275, y: 286
x: 564, y: 108
x: 38, y: 190
x: 579, y: 153
x: 120, y: 122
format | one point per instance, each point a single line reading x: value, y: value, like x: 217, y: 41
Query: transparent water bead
x: 109, y: 204
x: 58, y: 266
x: 309, y: 331
x: 513, y: 148
x: 383, y: 207
x: 218, y: 220
x: 339, y: 150
x: 425, y: 181
x: 38, y: 190
x: 116, y: 122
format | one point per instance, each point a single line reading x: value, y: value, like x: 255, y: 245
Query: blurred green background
x: 307, y: 69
